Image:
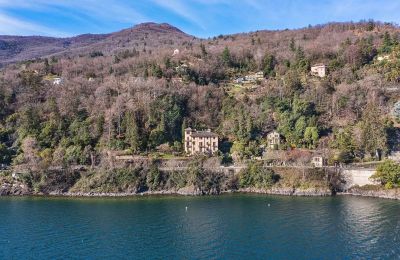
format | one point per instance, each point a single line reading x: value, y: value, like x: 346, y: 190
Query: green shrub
x: 256, y: 176
x: 388, y: 174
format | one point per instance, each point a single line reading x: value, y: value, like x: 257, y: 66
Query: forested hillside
x: 137, y: 89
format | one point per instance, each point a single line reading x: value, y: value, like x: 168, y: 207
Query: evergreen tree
x: 132, y: 134
x: 311, y: 137
x: 373, y: 131
x: 184, y: 126
x: 226, y: 57
x: 292, y: 45
x: 268, y: 64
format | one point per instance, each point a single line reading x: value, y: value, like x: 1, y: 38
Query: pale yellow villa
x: 200, y: 142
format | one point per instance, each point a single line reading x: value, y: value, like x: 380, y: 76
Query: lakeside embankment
x: 373, y: 191
x: 19, y: 189
x: 196, y: 178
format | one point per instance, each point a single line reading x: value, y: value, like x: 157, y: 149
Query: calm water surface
x: 221, y: 227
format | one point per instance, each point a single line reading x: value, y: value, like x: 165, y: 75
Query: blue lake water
x: 215, y: 227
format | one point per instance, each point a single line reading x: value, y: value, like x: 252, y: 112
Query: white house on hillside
x: 57, y: 81
x: 319, y: 70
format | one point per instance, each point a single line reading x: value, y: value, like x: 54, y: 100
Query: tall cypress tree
x: 132, y: 136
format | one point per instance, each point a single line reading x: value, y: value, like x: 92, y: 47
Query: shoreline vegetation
x: 197, y: 179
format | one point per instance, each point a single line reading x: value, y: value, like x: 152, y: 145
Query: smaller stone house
x: 274, y: 140
x: 318, y: 161
x: 200, y: 142
x: 319, y: 70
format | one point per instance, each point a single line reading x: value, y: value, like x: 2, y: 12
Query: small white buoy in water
x: 186, y: 208
x: 269, y: 205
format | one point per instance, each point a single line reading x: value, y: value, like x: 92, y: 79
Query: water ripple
x: 225, y: 227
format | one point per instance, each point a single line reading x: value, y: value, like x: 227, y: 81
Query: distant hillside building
x: 176, y: 52
x: 57, y: 81
x: 255, y: 77
x: 200, y: 142
x: 274, y: 140
x: 319, y: 70
x: 251, y: 78
x: 383, y: 57
x: 318, y: 161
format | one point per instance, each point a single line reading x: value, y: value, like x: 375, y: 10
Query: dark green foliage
x: 117, y: 180
x: 388, y: 174
x: 153, y: 178
x: 373, y: 135
x: 295, y: 119
x: 133, y: 135
x: 268, y: 64
x: 226, y: 57
x: 5, y: 154
x: 256, y: 176
x: 292, y: 45
x: 293, y: 83
x: 166, y: 118
x: 204, y: 181
x: 156, y: 71
x: 301, y: 62
x: 345, y: 143
x: 29, y: 122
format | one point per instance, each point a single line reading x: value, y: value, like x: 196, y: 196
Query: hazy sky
x: 202, y: 18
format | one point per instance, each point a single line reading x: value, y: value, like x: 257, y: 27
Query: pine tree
x: 184, y: 126
x: 132, y: 136
x: 226, y: 57
x: 292, y: 45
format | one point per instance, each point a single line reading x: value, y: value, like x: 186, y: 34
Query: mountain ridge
x: 20, y: 48
x: 155, y: 36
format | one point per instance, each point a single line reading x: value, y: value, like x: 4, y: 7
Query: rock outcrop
x: 14, y: 189
x: 375, y: 191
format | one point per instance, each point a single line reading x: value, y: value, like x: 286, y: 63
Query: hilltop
x: 20, y: 48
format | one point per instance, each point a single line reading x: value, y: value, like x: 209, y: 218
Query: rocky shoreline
x: 21, y: 189
x: 393, y: 194
x: 311, y: 192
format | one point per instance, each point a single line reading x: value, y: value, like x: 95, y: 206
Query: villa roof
x: 204, y: 134
x: 319, y: 65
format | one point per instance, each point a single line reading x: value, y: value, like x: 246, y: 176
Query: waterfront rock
x: 288, y: 191
x: 375, y: 191
x: 313, y: 192
x: 189, y: 190
x: 14, y: 189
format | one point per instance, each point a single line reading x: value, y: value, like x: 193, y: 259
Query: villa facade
x: 274, y: 140
x: 200, y: 142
